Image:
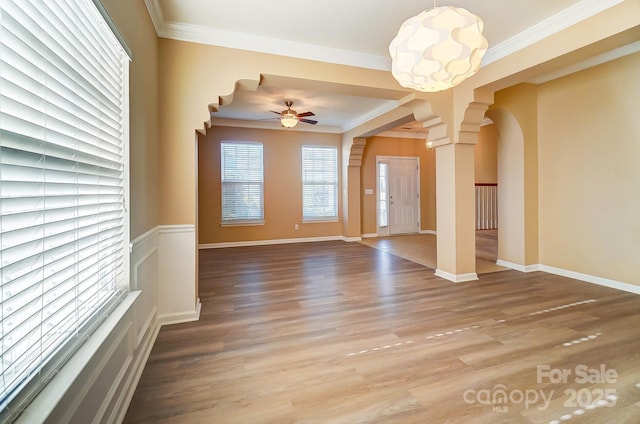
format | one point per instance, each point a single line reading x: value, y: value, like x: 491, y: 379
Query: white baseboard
x: 518, y: 267
x: 180, y: 317
x: 275, y: 241
x: 606, y: 282
x: 618, y: 285
x: 428, y: 232
x: 351, y: 239
x: 456, y: 278
x: 369, y: 235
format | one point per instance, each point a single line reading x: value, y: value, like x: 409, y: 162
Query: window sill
x: 242, y: 224
x: 319, y: 220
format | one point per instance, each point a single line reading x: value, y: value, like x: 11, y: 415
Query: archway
x: 511, y: 190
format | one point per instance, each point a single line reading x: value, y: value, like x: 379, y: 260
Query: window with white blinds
x: 242, y: 183
x: 63, y: 223
x: 319, y: 183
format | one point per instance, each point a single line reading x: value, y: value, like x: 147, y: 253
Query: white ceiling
x: 351, y: 32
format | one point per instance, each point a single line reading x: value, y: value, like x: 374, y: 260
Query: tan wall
x: 515, y: 114
x: 135, y: 25
x: 486, y: 155
x: 589, y: 175
x: 282, y: 155
x: 192, y: 76
x: 388, y: 146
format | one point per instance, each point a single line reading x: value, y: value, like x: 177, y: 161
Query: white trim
x: 267, y: 125
x: 403, y: 134
x: 518, y: 267
x: 618, y: 285
x: 168, y: 229
x: 155, y: 13
x: 180, y: 317
x: 372, y: 114
x: 428, y: 232
x: 232, y: 39
x: 259, y: 43
x: 369, y: 235
x: 274, y: 241
x: 351, y: 239
x: 320, y: 220
x: 129, y: 387
x: 66, y: 381
x: 570, y: 16
x: 143, y: 237
x: 456, y: 278
x: 589, y: 63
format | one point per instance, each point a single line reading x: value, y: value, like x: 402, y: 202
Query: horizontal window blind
x: 63, y: 94
x: 242, y: 182
x: 319, y: 182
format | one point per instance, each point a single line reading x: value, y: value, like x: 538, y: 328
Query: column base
x: 456, y: 278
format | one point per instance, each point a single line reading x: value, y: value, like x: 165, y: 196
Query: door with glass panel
x: 398, y: 203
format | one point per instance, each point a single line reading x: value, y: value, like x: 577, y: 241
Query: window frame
x: 30, y: 385
x: 335, y: 217
x: 234, y: 222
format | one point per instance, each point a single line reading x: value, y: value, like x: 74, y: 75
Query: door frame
x: 386, y: 231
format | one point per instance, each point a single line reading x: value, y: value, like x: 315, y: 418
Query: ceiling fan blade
x: 308, y: 121
x: 277, y: 113
x: 300, y: 115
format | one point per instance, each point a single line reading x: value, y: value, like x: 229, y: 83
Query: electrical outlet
x: 296, y: 227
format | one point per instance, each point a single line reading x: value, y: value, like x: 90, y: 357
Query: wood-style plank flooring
x: 421, y: 248
x: 336, y: 332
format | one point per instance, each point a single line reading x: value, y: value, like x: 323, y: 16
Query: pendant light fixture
x: 437, y: 49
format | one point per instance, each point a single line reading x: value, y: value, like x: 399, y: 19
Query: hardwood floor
x: 421, y: 248
x: 337, y: 332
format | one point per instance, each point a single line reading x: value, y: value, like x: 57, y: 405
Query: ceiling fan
x: 289, y: 118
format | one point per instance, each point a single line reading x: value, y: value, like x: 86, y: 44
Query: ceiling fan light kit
x: 289, y: 118
x: 437, y: 49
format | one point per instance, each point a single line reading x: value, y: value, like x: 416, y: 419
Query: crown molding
x: 269, y: 45
x: 155, y: 13
x: 274, y: 125
x: 243, y: 41
x: 570, y: 16
x: 589, y: 63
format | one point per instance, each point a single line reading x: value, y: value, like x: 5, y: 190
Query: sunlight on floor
x: 421, y: 248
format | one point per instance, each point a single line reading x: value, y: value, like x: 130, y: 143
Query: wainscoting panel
x: 177, y: 274
x: 97, y: 384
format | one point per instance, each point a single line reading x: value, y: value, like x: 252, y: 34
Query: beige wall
x: 515, y: 116
x: 193, y: 76
x: 282, y: 155
x: 486, y: 155
x: 589, y: 146
x: 388, y: 146
x: 135, y: 25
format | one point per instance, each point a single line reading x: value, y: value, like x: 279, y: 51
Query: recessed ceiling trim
x: 401, y: 134
x: 380, y: 110
x: 273, y: 125
x: 556, y: 23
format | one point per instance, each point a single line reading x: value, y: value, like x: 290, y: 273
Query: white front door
x: 404, y: 189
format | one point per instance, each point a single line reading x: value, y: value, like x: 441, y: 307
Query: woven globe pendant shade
x: 437, y: 49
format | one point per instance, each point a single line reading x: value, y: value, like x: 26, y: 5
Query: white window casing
x: 63, y: 186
